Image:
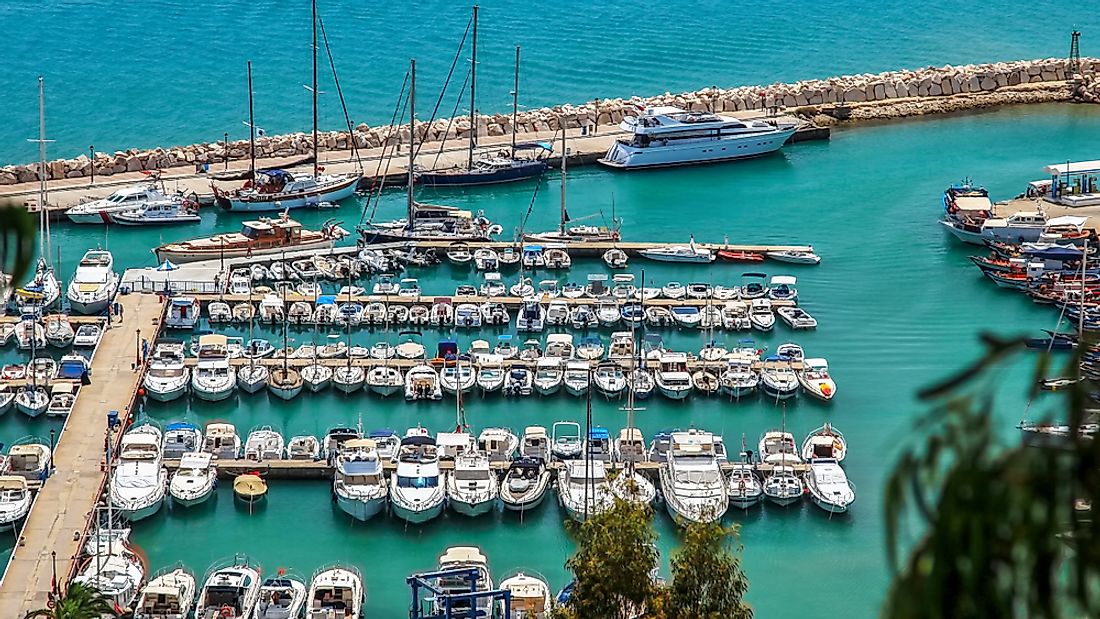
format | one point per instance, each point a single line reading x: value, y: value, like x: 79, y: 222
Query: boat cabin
x: 266, y: 232
x: 451, y: 444
x: 161, y: 601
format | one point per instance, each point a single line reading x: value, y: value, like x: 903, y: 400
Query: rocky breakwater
x: 822, y: 101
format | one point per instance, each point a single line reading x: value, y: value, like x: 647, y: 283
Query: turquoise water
x: 167, y: 72
x: 899, y: 307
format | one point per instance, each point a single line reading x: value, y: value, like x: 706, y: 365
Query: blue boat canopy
x: 71, y: 370
x: 599, y: 432
x: 383, y: 433
x: 276, y: 173
x: 181, y: 425
x: 531, y: 249
x: 326, y: 299
x: 1056, y: 253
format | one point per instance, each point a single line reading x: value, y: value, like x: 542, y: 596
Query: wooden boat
x: 264, y: 236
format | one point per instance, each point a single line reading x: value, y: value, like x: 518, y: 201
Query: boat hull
x: 783, y: 501
x: 829, y: 507
x: 191, y: 255
x: 285, y: 393
x: 523, y: 506
x: 162, y: 393
x: 213, y: 394
x: 192, y: 501
x: 623, y: 157
x: 335, y: 193
x: 360, y: 510
x: 526, y: 170
x: 133, y: 515
x: 473, y: 509
x: 417, y: 516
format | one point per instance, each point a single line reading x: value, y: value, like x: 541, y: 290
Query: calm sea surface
x: 899, y: 305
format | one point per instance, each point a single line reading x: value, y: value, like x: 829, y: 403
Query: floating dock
x: 66, y: 503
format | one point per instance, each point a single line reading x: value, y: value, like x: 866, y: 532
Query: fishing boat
x: 139, y: 480
x: 117, y: 575
x: 282, y: 596
x: 583, y: 489
x: 530, y: 596
x: 416, y: 493
x: 195, y: 479
x: 15, y: 501
x: 692, y: 483
x: 359, y: 483
x: 815, y: 379
x: 825, y: 442
x: 94, y: 283
x: 230, y: 592
x: 249, y: 488
x: 472, y: 486
x: 213, y: 379
x: 167, y: 376
x: 262, y: 237
x: 525, y: 484
x: 829, y: 486
x: 336, y: 592
x: 661, y: 136
x: 744, y: 488
x: 222, y: 441
x: 169, y: 595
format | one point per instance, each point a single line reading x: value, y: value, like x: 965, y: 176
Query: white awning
x: 1068, y: 220
x: 1073, y: 167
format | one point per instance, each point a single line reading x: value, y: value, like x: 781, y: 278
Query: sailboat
x: 502, y: 167
x: 285, y: 382
x: 426, y: 222
x: 44, y: 290
x: 568, y: 233
x: 278, y: 190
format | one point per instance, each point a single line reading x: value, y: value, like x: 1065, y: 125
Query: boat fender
x: 226, y: 611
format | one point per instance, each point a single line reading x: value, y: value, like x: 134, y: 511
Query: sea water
x: 899, y: 308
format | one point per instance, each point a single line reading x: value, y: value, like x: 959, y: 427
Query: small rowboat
x: 250, y: 488
x: 740, y: 256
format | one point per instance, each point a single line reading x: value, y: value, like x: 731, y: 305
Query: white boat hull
x: 386, y: 390
x: 832, y: 508
x: 192, y: 501
x: 133, y: 515
x: 285, y: 393
x: 214, y: 393
x: 165, y: 393
x: 417, y: 515
x: 338, y: 191
x: 89, y: 307
x: 473, y: 509
x: 358, y: 509
x: 688, y: 152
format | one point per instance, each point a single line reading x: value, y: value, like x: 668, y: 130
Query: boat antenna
x: 515, y: 104
x: 410, y: 221
x: 251, y: 336
x: 251, y: 129
x: 313, y: 90
x: 564, y: 156
x: 388, y: 151
x: 473, y: 92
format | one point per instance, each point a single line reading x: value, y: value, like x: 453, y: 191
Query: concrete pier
x: 66, y: 502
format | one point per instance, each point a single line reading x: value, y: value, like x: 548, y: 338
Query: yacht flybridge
x: 668, y: 136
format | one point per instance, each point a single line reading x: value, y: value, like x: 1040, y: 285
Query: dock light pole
x: 225, y: 142
x: 137, y: 351
x: 53, y: 582
x: 53, y: 445
x: 91, y: 156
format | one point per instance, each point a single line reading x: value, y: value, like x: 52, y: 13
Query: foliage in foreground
x: 17, y: 241
x: 79, y: 601
x: 1003, y: 530
x: 616, y: 561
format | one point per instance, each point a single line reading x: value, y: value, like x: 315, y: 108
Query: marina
x: 742, y: 340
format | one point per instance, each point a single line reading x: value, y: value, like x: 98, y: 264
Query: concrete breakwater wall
x: 888, y: 94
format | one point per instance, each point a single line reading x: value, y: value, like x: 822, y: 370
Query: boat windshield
x: 418, y: 482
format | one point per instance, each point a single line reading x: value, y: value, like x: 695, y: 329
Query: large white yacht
x: 125, y: 199
x: 669, y: 136
x: 139, y: 480
x: 94, y: 283
x: 691, y: 479
x: 472, y: 486
x: 583, y: 489
x: 415, y: 489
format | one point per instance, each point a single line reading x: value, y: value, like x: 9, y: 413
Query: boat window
x: 418, y: 482
x: 468, y: 475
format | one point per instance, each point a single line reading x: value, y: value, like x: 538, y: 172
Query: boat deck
x: 66, y: 501
x: 510, y: 302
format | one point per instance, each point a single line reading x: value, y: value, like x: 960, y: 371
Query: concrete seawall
x: 881, y: 95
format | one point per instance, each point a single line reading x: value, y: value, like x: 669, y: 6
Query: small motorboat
x: 180, y: 438
x: 195, y: 479
x: 230, y: 592
x: 264, y: 443
x: 59, y: 331
x: 792, y: 256
x: 282, y: 596
x: 674, y: 290
x: 829, y: 486
x: 335, y: 592
x: 783, y: 486
x: 815, y: 379
x: 221, y: 441
x: 679, y: 253
x: 219, y: 312
x: 87, y: 336
x: 15, y: 501
x: 518, y: 381
x: 615, y: 258
x: 609, y: 380
x: 796, y: 318
x: 30, y: 458
x: 303, y: 447
x: 566, y: 440
x: 744, y: 489
x: 825, y: 442
x: 761, y: 315
x: 169, y: 594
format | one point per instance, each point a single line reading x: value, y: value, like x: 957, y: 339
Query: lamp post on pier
x: 225, y: 142
x: 91, y: 156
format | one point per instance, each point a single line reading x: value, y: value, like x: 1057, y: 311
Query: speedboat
x: 815, y: 379
x: 782, y: 288
x: 422, y: 383
x: 662, y: 136
x: 536, y: 443
x: 783, y: 486
x: 472, y: 486
x: 679, y: 253
x: 219, y: 312
x: 59, y: 331
x: 583, y: 489
x: 416, y: 493
x: 457, y: 378
x: 486, y: 259
x: 168, y: 376
x: 777, y: 379
x: 336, y: 592
x: 169, y: 595
x: 566, y: 440
x: 230, y: 592
x: 159, y: 213
x: 531, y: 316
x: 591, y: 348
x: 753, y: 286
x: 139, y: 480
x: 30, y: 458
x: 825, y: 442
x: 795, y: 256
x: 530, y: 596
x: 493, y: 285
x: 282, y: 596
x: 384, y: 380
x: 195, y: 479
x: 761, y: 315
x: 140, y: 196
x: 744, y: 487
x: 116, y: 575
x: 264, y: 443
x: 608, y: 313
x: 518, y: 381
x: 221, y: 441
x: 692, y: 482
x: 549, y: 374
x: 829, y: 486
x: 582, y: 317
x: 738, y: 379
x: 359, y: 483
x: 641, y: 383
x: 303, y: 447
x: 524, y: 484
x: 213, y: 379
x: 335, y: 439
x: 672, y: 377
x: 796, y: 318
x: 490, y: 373
x: 609, y: 379
x: 15, y: 501
x: 94, y: 284
x: 87, y: 336
x: 183, y: 313
x: 180, y: 438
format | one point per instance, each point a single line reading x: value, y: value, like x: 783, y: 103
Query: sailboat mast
x: 251, y: 129
x: 515, y: 104
x: 315, y: 166
x: 42, y: 172
x: 564, y: 213
x: 473, y: 91
x: 412, y: 141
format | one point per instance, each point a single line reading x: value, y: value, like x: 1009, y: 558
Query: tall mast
x: 42, y: 173
x: 564, y: 213
x: 314, y: 89
x: 515, y: 104
x: 251, y: 129
x: 412, y: 141
x: 473, y: 89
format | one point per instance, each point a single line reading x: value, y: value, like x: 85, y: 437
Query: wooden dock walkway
x: 64, y: 505
x: 509, y: 302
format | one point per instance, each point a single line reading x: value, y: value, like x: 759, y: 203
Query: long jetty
x: 66, y: 502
